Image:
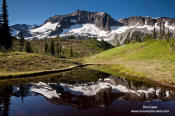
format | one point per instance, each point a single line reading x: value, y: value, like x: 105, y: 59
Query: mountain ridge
x: 85, y: 24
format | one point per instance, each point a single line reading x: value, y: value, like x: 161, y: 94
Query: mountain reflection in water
x: 80, y: 97
x: 99, y: 94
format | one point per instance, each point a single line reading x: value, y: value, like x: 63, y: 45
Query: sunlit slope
x: 153, y: 59
x: 149, y: 50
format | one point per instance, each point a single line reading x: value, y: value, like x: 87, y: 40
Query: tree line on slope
x: 161, y: 34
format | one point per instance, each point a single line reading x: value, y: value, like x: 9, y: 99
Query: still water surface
x: 86, y: 92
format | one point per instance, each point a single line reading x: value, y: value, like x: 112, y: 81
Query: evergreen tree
x: 59, y: 49
x: 6, y: 38
x: 71, y: 51
x: 118, y: 43
x: 163, y: 29
x: 128, y: 39
x: 22, y: 92
x: 0, y: 30
x: 46, y: 47
x: 28, y: 47
x: 63, y: 51
x: 154, y: 33
x: 160, y: 31
x: 52, y: 48
x: 146, y: 37
x: 105, y: 45
x: 5, y: 100
x: 21, y: 36
x: 137, y: 36
x: 21, y: 41
x: 169, y: 34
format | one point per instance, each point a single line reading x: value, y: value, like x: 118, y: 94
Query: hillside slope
x: 81, y: 48
x: 17, y: 62
x: 154, y: 59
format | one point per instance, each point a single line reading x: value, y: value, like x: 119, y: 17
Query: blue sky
x: 37, y: 11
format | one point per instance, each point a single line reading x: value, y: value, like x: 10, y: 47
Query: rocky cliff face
x: 88, y: 24
x: 136, y: 20
x: 84, y: 24
x: 101, y: 20
x: 143, y: 25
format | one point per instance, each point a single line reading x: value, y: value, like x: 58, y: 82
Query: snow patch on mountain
x: 46, y: 27
x: 90, y: 29
x: 122, y: 29
x: 170, y: 27
x: 119, y: 30
x: 148, y: 27
x: 66, y: 31
x: 44, y: 30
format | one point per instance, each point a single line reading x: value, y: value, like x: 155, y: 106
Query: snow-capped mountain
x: 144, y: 25
x: 80, y: 24
x: 15, y: 29
x: 84, y: 24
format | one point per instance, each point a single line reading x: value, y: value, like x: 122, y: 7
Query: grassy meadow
x: 18, y: 62
x: 22, y: 63
x: 152, y: 60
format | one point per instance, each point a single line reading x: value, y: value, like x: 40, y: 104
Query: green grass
x: 153, y: 59
x: 120, y: 71
x: 21, y: 63
x: 117, y: 70
x: 17, y: 62
x: 149, y: 50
